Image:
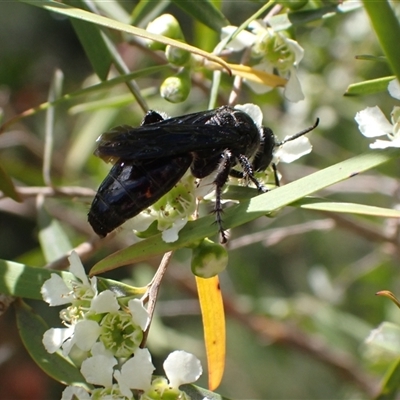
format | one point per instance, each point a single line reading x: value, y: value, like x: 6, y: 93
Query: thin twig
x: 152, y: 292
x: 47, y: 191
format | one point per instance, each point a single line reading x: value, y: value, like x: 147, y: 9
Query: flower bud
x: 209, y: 259
x: 177, y: 56
x: 160, y: 390
x: 165, y: 25
x: 176, y: 89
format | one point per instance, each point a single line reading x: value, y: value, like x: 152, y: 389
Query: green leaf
x: 387, y: 28
x: 282, y: 22
x: 31, y: 329
x: 384, y: 344
x: 348, y: 208
x: 84, y: 139
x: 53, y: 240
x: 205, y: 12
x: 148, y: 10
x: 22, y: 280
x: 7, y: 186
x: 247, y: 210
x: 390, y: 386
x: 369, y: 87
x: 92, y: 42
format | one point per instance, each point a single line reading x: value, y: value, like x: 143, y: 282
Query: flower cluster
x: 103, y: 335
x: 271, y: 51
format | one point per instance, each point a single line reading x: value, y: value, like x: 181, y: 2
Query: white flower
x: 56, y: 292
x: 373, y: 123
x: 182, y: 367
x: 273, y: 51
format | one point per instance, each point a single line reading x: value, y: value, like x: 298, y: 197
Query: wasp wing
x: 215, y: 129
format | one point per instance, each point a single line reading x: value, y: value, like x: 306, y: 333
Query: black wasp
x: 150, y: 159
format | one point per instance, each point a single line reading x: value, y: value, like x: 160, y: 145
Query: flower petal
x: 136, y: 373
x: 293, y: 91
x: 75, y: 392
x: 384, y: 144
x: 253, y: 110
x: 293, y: 150
x: 296, y: 49
x: 98, y: 349
x: 140, y: 316
x: 76, y: 267
x: 106, y: 301
x: 182, y: 367
x: 372, y: 122
x: 86, y: 334
x: 394, y: 89
x: 99, y: 370
x: 54, y: 338
x: 243, y: 40
x: 55, y: 292
x: 171, y: 234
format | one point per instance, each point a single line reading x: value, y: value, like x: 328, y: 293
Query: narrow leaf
x: 256, y: 75
x: 348, y: 208
x: 205, y: 12
x: 96, y: 50
x: 391, y: 383
x: 147, y: 10
x: 369, y: 87
x: 212, y: 311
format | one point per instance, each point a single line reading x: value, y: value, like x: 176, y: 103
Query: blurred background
x: 299, y: 288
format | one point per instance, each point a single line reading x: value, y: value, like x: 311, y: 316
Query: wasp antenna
x: 297, y: 135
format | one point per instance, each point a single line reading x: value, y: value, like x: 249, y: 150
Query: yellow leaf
x: 212, y: 310
x: 257, y: 75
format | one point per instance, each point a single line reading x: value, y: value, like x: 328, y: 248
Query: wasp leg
x: 275, y: 169
x: 248, y: 172
x: 222, y: 177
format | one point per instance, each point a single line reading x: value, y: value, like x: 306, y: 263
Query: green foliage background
x: 299, y: 287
